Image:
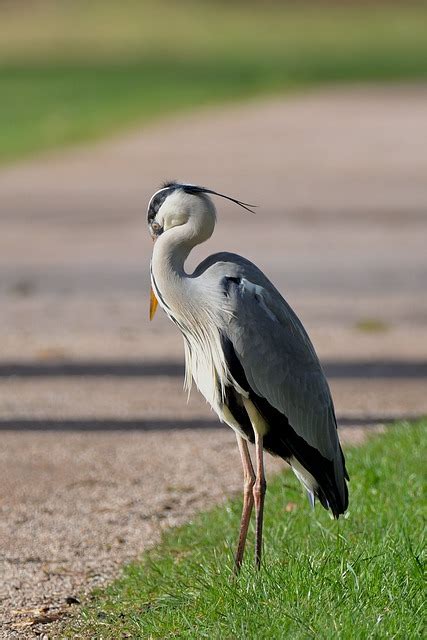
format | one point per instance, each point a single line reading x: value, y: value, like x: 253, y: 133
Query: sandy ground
x: 99, y: 450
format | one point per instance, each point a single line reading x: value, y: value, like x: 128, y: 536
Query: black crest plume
x: 195, y: 189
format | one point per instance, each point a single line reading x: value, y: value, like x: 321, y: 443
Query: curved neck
x: 169, y: 255
x: 171, y: 251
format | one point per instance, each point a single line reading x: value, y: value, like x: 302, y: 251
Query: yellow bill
x: 153, y: 303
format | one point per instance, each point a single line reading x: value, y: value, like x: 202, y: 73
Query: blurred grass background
x: 72, y: 70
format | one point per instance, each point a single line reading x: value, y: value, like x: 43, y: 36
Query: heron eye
x: 155, y: 227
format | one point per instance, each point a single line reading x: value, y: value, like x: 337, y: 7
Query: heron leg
x: 259, y: 489
x: 248, y: 500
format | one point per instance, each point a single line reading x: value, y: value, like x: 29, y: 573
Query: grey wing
x: 281, y: 365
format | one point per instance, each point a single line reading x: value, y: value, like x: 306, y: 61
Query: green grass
x: 76, y: 71
x: 360, y: 577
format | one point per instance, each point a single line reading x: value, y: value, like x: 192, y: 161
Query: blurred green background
x: 74, y: 70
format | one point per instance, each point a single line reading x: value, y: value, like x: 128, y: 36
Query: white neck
x: 170, y: 252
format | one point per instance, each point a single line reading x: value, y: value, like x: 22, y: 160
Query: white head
x: 184, y: 205
x: 173, y: 206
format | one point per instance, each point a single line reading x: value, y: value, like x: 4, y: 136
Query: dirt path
x: 98, y: 449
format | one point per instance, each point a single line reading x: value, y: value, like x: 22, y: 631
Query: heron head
x: 176, y: 204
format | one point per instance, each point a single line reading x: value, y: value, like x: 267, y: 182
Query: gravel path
x: 94, y: 462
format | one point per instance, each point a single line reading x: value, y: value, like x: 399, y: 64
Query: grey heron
x: 248, y: 354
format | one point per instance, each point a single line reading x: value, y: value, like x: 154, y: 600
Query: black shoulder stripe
x: 229, y: 281
x: 233, y: 363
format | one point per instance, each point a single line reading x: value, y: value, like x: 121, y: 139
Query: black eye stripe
x: 156, y: 203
